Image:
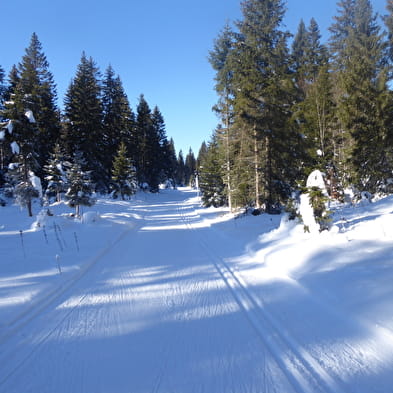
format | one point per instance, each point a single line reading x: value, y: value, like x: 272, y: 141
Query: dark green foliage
x: 124, y: 180
x: 318, y: 202
x: 180, y: 169
x: 55, y: 172
x: 80, y: 185
x: 211, y: 177
x: 149, y: 153
x: 189, y: 169
x: 118, y: 118
x: 83, y: 128
x: 36, y: 91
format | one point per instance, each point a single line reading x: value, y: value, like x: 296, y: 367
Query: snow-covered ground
x: 157, y: 294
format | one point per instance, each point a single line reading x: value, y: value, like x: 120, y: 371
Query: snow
x: 158, y: 294
x: 30, y: 116
x: 15, y: 148
x: 36, y: 183
x: 315, y: 179
x: 10, y: 127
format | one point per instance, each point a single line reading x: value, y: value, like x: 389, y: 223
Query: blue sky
x: 159, y: 48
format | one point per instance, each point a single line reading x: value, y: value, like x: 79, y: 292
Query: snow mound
x: 90, y: 217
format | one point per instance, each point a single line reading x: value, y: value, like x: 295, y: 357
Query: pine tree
x: 359, y: 60
x: 189, y: 168
x: 148, y: 147
x: 23, y: 140
x: 222, y: 60
x: 2, y: 89
x: 83, y: 112
x: 37, y: 92
x: 264, y: 93
x: 118, y: 118
x: 80, y: 185
x: 55, y: 171
x: 124, y: 180
x: 3, y: 124
x: 162, y: 159
x: 180, y: 172
x: 211, y: 177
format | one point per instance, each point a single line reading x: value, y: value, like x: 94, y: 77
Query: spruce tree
x: 359, y: 61
x: 55, y: 171
x: 148, y: 147
x: 37, y: 91
x: 211, y: 176
x: 180, y: 172
x: 264, y: 93
x: 189, y: 168
x: 124, y: 180
x: 222, y: 61
x: 80, y: 187
x: 83, y: 128
x: 162, y: 159
x: 171, y: 161
x: 118, y: 118
x: 23, y: 141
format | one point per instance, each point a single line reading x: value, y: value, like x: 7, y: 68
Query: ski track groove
x: 38, y: 310
x: 29, y: 315
x: 302, y: 371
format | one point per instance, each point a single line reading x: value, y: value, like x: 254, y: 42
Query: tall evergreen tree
x: 162, y: 159
x: 22, y: 138
x: 222, y: 61
x: 180, y: 172
x: 171, y: 161
x: 359, y: 60
x: 83, y: 130
x: 37, y: 93
x: 189, y: 168
x: 118, y: 118
x: 263, y: 100
x: 148, y: 142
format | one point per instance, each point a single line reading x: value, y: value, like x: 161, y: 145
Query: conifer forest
x: 288, y: 103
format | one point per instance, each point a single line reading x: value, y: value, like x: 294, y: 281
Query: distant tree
x: 148, y: 142
x: 180, y: 172
x: 189, y: 168
x: 162, y: 159
x: 171, y: 161
x: 124, y: 181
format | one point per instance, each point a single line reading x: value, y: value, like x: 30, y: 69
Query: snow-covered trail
x: 145, y: 318
x: 172, y: 304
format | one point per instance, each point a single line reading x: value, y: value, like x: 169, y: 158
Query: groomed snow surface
x: 157, y: 294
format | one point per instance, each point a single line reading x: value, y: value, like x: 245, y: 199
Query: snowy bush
x: 313, y: 204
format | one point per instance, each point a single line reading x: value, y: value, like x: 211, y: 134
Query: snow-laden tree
x: 55, y: 171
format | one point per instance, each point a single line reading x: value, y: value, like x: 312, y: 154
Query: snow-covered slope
x: 159, y: 295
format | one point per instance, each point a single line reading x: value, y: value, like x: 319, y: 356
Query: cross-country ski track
x: 164, y: 308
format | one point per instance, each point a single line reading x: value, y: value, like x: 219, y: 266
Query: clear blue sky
x: 158, y: 47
